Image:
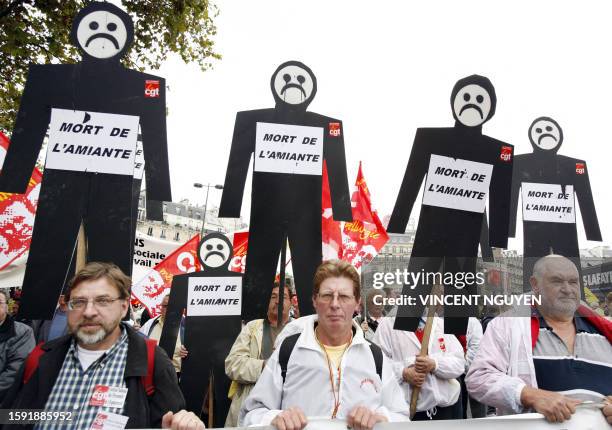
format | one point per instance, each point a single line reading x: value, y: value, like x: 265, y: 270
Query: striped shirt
x: 74, y: 386
x: 587, y: 374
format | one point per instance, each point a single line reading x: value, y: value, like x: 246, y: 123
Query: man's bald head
x: 554, y: 263
x: 555, y: 278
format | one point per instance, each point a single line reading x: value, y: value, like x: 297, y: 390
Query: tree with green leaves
x: 38, y: 31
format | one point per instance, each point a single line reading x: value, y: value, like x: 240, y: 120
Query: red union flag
x: 17, y: 215
x: 4, y: 144
x: 153, y: 287
x: 365, y: 235
x: 241, y: 245
x: 356, y: 242
x: 331, y: 232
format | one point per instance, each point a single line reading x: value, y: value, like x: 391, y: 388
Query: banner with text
x: 457, y: 184
x: 548, y: 203
x: 283, y: 148
x: 211, y: 296
x: 153, y: 287
x: 92, y: 142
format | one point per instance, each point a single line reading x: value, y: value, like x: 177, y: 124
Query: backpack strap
x: 147, y: 380
x: 285, y: 352
x: 31, y: 363
x: 378, y: 358
x: 289, y: 343
x: 152, y: 326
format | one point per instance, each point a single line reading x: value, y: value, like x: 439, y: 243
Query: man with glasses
x: 331, y: 370
x: 16, y: 342
x: 97, y: 372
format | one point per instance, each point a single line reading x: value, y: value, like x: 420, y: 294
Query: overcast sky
x: 386, y: 68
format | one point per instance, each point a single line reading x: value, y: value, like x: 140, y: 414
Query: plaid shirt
x: 74, y: 387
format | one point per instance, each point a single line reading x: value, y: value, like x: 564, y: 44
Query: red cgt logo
x: 580, y: 168
x: 334, y: 129
x: 151, y: 89
x: 506, y: 154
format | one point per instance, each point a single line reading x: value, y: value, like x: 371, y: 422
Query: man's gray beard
x: 560, y: 309
x: 90, y: 339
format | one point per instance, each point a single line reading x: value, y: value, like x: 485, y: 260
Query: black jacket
x: 143, y: 411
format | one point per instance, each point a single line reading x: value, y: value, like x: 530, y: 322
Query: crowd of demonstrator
x: 346, y: 361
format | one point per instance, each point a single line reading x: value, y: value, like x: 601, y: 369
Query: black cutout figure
x: 555, y: 232
x: 285, y: 203
x: 103, y: 201
x: 448, y: 237
x: 208, y: 339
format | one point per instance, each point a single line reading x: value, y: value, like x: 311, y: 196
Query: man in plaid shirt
x: 96, y: 372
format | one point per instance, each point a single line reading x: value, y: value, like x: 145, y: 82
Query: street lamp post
x: 198, y: 185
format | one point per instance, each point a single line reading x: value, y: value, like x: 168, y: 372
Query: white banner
x: 457, y: 184
x: 209, y: 296
x: 282, y: 148
x: 548, y: 203
x: 585, y: 418
x: 92, y: 142
x: 149, y: 250
x: 12, y: 275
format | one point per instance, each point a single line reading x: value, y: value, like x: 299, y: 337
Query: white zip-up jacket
x: 503, y: 365
x: 440, y: 388
x: 307, y: 384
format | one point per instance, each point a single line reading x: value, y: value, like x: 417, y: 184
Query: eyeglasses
x: 342, y: 298
x: 98, y: 302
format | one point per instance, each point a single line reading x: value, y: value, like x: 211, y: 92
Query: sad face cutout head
x: 473, y: 100
x: 293, y: 84
x: 545, y: 134
x: 102, y: 31
x: 215, y: 251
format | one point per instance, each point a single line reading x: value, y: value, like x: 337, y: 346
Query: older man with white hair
x: 551, y: 361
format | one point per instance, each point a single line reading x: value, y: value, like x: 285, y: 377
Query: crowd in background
x: 549, y: 361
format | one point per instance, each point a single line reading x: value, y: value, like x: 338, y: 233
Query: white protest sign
x: 149, y: 250
x: 92, y: 142
x: 210, y: 296
x: 457, y: 184
x: 139, y: 161
x: 282, y: 148
x: 548, y: 203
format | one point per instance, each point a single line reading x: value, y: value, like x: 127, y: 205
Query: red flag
x: 153, y: 287
x: 331, y: 233
x: 17, y: 215
x: 4, y: 144
x: 365, y: 236
x: 241, y: 244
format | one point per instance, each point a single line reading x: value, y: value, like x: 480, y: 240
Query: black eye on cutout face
x: 219, y: 247
x: 548, y: 128
x: 94, y: 25
x: 538, y: 130
x: 111, y: 26
x: 467, y: 97
x: 479, y: 98
x: 301, y: 79
x: 209, y: 247
x: 286, y: 77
